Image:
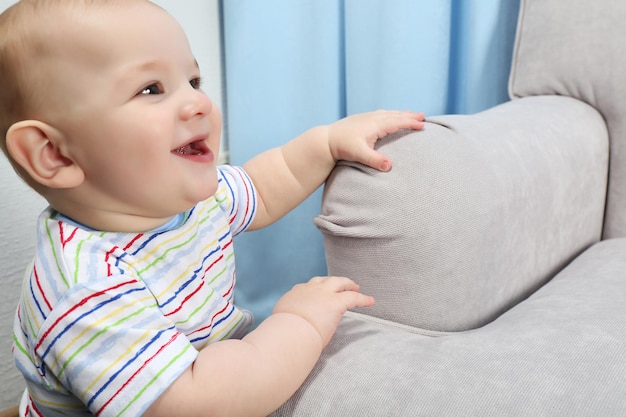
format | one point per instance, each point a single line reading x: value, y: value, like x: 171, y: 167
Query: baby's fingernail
x: 385, y: 166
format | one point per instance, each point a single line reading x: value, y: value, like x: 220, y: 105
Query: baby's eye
x: 196, y: 83
x: 155, y: 88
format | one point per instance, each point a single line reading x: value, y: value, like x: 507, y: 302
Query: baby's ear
x: 36, y: 147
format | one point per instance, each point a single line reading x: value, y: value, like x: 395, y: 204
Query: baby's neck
x: 172, y: 224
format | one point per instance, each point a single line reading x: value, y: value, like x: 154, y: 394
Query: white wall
x: 19, y: 206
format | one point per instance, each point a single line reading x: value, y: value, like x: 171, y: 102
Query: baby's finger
x: 317, y: 280
x: 354, y: 299
x: 376, y: 160
x: 396, y: 120
x: 340, y: 284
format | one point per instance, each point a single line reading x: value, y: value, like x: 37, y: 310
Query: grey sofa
x: 495, y: 248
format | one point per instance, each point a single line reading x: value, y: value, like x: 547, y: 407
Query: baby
x: 127, y: 308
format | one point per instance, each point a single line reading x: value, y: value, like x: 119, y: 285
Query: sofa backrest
x: 577, y: 48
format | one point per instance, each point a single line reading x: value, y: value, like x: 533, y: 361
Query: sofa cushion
x: 477, y: 213
x: 576, y: 48
x: 562, y: 352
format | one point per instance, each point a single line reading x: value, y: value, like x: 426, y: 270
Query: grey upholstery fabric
x: 477, y: 213
x: 576, y: 48
x: 494, y: 296
x: 562, y: 352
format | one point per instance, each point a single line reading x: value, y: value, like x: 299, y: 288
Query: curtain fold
x: 294, y: 64
x: 397, y: 54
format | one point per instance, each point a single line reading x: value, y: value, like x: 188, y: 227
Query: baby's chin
x: 207, y: 191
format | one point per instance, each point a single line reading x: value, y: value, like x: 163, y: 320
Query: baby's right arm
x: 255, y: 375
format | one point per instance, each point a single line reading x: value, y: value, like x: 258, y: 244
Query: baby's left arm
x: 285, y: 176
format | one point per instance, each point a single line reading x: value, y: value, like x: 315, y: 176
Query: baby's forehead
x: 81, y: 25
x: 38, y: 21
x: 94, y: 38
x: 33, y: 16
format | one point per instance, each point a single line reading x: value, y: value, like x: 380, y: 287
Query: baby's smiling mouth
x: 194, y: 148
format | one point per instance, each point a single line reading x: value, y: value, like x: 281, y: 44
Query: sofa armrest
x: 477, y: 213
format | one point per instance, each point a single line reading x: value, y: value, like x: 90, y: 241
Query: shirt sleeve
x: 237, y: 197
x: 104, y: 334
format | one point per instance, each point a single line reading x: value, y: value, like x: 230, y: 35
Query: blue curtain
x: 294, y: 64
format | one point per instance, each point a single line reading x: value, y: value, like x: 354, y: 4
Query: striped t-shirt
x: 107, y: 321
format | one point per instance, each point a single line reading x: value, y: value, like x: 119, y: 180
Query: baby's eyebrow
x: 146, y: 66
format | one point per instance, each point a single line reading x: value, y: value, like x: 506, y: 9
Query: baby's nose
x: 197, y: 104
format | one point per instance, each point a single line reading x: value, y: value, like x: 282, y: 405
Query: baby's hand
x: 322, y: 302
x: 353, y: 138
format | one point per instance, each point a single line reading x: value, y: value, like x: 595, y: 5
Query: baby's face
x: 127, y: 98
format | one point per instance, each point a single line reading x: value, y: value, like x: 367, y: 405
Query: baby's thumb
x: 377, y: 161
